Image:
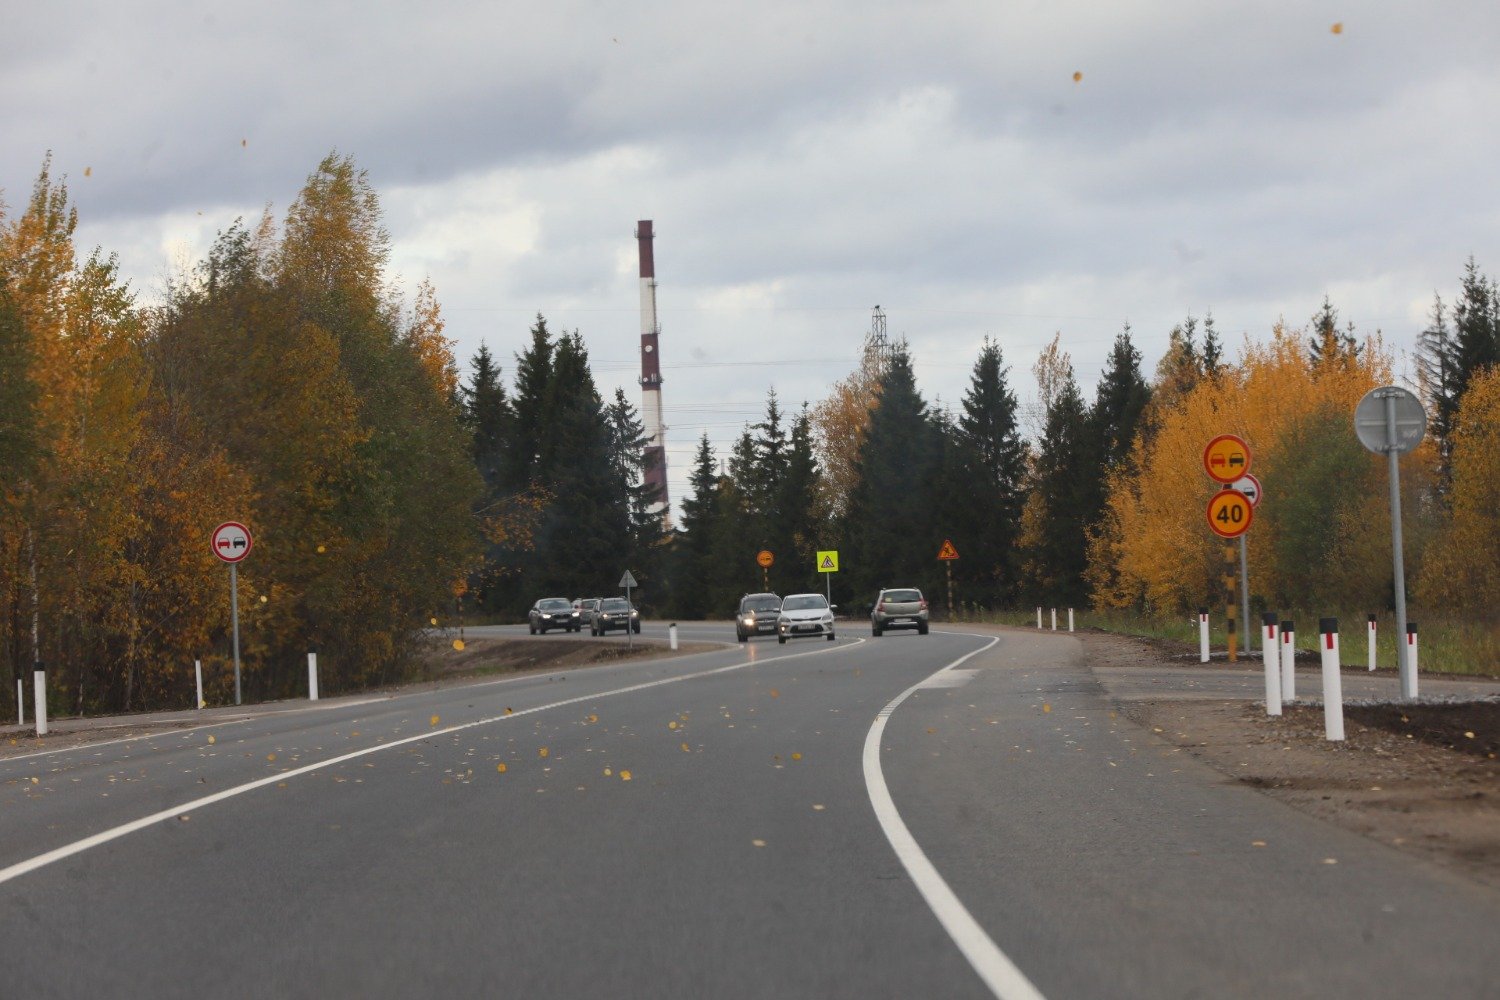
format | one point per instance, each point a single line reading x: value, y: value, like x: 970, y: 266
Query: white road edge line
x: 115, y: 833
x: 1000, y: 974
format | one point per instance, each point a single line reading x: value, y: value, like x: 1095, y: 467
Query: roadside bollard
x: 1070, y: 619
x: 1411, y: 654
x: 1202, y: 635
x: 672, y: 636
x: 198, y: 675
x: 1371, y: 660
x: 39, y: 689
x: 1288, y: 662
x: 20, y: 701
x: 1038, y: 617
x: 312, y: 675
x: 1333, y: 689
x: 1270, y: 651
x: 1054, y: 619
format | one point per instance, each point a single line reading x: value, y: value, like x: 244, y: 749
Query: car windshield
x: 804, y: 602
x: 767, y: 603
x: 903, y: 595
x: 555, y: 604
x: 615, y: 604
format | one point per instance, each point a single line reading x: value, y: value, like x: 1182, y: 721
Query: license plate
x: 805, y: 628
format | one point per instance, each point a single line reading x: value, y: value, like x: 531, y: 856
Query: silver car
x: 899, y: 607
x: 804, y: 616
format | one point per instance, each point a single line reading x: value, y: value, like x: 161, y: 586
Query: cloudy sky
x: 1010, y: 168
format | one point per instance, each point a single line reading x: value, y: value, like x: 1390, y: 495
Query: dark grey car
x: 553, y: 612
x: 615, y: 612
x: 756, y: 616
x: 899, y: 607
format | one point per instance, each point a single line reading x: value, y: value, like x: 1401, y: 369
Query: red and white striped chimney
x: 656, y: 451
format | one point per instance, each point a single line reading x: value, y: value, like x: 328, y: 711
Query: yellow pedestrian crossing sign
x: 828, y: 562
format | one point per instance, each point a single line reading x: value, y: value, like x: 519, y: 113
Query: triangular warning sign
x: 828, y: 562
x: 947, y: 551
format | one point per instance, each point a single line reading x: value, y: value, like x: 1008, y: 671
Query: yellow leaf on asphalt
x: 624, y: 775
x: 212, y: 740
x: 1257, y: 843
x: 542, y: 752
x: 796, y: 756
x: 608, y: 772
x: 758, y: 843
x: 818, y: 808
x: 270, y: 756
x: 184, y: 818
x: 500, y: 767
x: 434, y: 720
x: 508, y: 710
x: 1330, y: 861
x: 686, y: 748
x: 458, y: 644
x: 1046, y: 708
x: 672, y: 724
x: 1077, y: 77
x: 775, y: 693
x: 1338, y: 28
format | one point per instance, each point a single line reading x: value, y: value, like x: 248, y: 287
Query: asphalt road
x: 758, y: 821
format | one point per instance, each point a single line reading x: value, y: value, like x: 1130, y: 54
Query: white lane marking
x: 946, y: 678
x: 999, y: 973
x: 115, y: 833
x: 187, y: 730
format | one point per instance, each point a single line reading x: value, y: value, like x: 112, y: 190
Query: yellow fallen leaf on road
x: 542, y: 752
x: 672, y: 724
x: 434, y: 720
x: 608, y: 772
x: 686, y: 748
x: 501, y: 768
x: 212, y: 741
x: 1046, y: 708
x: 758, y: 843
x: 624, y: 775
x: 270, y: 756
x: 796, y: 756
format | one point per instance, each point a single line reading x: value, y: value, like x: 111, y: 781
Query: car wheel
x: 636, y: 628
x: 921, y: 630
x: 781, y: 639
x: 741, y: 636
x: 830, y: 636
x: 877, y: 631
x: 532, y: 628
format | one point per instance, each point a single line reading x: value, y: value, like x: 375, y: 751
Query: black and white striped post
x: 1411, y: 652
x: 20, y: 699
x: 1270, y: 652
x: 1333, y: 691
x: 1202, y: 635
x: 1288, y: 661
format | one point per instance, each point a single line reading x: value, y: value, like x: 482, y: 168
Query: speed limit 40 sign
x: 1229, y: 513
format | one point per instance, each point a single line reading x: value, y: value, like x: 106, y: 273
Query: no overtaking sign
x: 232, y: 541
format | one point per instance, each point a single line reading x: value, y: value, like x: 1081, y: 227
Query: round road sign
x: 765, y: 558
x: 1390, y: 419
x: 1226, y: 458
x: 1229, y: 513
x: 232, y: 541
x: 1250, y: 486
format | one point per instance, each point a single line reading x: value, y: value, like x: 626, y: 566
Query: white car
x: 803, y: 616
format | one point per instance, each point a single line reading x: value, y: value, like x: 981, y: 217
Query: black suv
x: 757, y: 616
x: 552, y: 612
x: 615, y: 612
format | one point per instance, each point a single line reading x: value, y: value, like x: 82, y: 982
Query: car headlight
x: 828, y: 619
x: 634, y: 613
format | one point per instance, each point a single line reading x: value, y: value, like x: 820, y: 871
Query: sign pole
x: 949, y: 567
x: 1244, y: 595
x: 234, y: 613
x: 1393, y: 461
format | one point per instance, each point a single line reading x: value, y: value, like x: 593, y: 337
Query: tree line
x: 283, y: 381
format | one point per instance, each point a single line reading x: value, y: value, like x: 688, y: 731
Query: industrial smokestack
x: 656, y: 451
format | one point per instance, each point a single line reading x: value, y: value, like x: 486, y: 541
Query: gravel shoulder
x: 1421, y: 777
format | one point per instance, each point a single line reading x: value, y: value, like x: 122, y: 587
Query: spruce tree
x: 1119, y: 403
x: 1328, y: 344
x: 1065, y: 484
x: 888, y: 530
x: 487, y: 416
x: 529, y: 402
x: 988, y: 447
x: 692, y: 550
x: 1476, y: 328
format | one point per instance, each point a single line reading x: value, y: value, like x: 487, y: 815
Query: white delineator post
x: 198, y: 675
x: 1270, y: 651
x: 312, y: 675
x: 672, y: 636
x: 1333, y: 688
x: 20, y: 702
x: 39, y: 690
x: 1411, y: 654
x: 1371, y: 630
x: 1288, y: 662
x: 1054, y: 619
x: 1070, y: 619
x: 1202, y: 635
x: 1038, y: 617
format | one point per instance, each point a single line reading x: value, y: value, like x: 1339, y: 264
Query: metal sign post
x: 231, y: 542
x: 627, y: 581
x: 1391, y: 420
x: 947, y: 553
